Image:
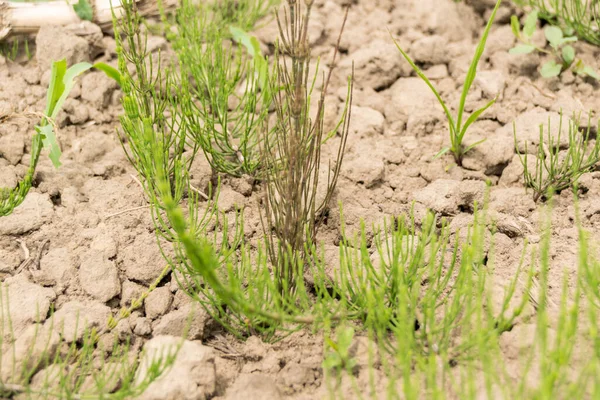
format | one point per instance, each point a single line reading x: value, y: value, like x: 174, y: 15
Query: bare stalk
x: 293, y: 154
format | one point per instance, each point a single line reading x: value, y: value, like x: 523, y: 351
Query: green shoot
x: 458, y: 128
x: 563, y: 53
x: 557, y: 170
x: 61, y: 83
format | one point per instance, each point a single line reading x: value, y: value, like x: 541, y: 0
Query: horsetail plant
x: 45, y: 362
x: 557, y: 170
x: 292, y: 153
x: 228, y: 101
x: 458, y: 127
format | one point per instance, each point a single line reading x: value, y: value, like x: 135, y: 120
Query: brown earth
x: 89, y: 237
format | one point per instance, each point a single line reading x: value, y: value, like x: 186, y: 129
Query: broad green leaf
x: 530, y: 24
x: 256, y: 46
x: 244, y: 39
x: 550, y: 69
x: 61, y: 83
x: 345, y: 337
x: 515, y: 26
x: 50, y: 142
x: 554, y: 35
x: 56, y: 86
x: 84, y: 10
x: 568, y: 54
x: 111, y: 72
x: 522, y: 49
x: 589, y: 71
x: 68, y: 83
x: 568, y: 39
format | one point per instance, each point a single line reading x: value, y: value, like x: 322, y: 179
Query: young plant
x: 458, y: 127
x: 61, y: 83
x: 292, y: 154
x: 557, y: 170
x: 338, y: 358
x: 560, y: 49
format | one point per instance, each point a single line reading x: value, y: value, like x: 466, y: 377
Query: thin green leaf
x: 68, y: 81
x: 474, y: 117
x: 550, y: 69
x: 553, y: 35
x: 522, y: 49
x: 441, y: 152
x: 515, y: 26
x: 530, y: 24
x: 477, y: 143
x: 473, y: 67
x: 56, y: 86
x: 427, y: 82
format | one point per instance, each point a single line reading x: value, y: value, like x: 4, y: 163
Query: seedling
x: 458, y: 127
x: 61, y: 83
x: 338, y: 357
x: 556, y: 170
x: 560, y: 49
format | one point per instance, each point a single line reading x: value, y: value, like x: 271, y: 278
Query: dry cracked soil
x: 82, y: 243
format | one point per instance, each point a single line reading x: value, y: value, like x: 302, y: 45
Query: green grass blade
x: 473, y: 118
x: 473, y: 68
x: 426, y: 80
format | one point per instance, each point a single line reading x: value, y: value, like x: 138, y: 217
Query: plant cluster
x: 48, y: 364
x: 579, y: 17
x: 557, y: 169
x: 560, y: 49
x: 418, y: 291
x: 226, y: 104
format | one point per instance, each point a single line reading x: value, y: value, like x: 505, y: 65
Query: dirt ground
x: 83, y: 240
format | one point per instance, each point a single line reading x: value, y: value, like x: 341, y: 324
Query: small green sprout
x: 339, y: 358
x: 458, y: 128
x: 560, y: 49
x: 556, y: 170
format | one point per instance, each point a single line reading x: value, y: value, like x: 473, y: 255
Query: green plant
x: 458, y: 127
x: 578, y: 17
x: 45, y: 363
x: 557, y: 170
x: 84, y: 10
x: 61, y: 82
x: 228, y: 101
x: 560, y: 48
x: 338, y: 358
